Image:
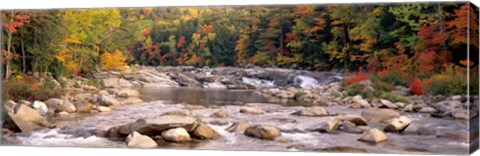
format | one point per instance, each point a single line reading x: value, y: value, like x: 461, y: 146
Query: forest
x: 413, y: 44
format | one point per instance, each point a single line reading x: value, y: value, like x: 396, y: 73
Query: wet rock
x: 346, y: 125
x: 455, y: 135
x: 373, y: 136
x: 219, y: 114
x: 176, y: 135
x: 59, y: 105
x: 398, y: 124
x: 251, y: 110
x: 357, y: 120
x: 104, y: 109
x: 411, y: 129
x: 382, y: 116
x: 429, y: 110
x: 238, y: 127
x: 84, y: 106
x: 262, y: 132
x: 355, y: 130
x: 219, y: 123
x: 25, y: 119
x: 312, y: 111
x: 176, y: 112
x: 155, y: 125
x: 113, y: 134
x: 387, y: 104
x: 237, y: 87
x: 40, y: 107
x: 137, y: 140
x: 203, y: 131
x: 126, y: 93
x: 460, y: 114
x: 329, y: 126
x: 105, y: 100
x: 349, y: 149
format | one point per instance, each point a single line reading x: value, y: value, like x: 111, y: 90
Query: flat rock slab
x: 155, y: 125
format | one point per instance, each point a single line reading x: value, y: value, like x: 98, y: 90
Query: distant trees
x: 413, y: 40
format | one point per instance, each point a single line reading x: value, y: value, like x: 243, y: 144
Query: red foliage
x: 290, y: 37
x: 383, y: 72
x: 357, y: 78
x: 465, y: 18
x: 15, y: 20
x: 146, y: 32
x: 181, y: 42
x: 416, y: 87
x: 207, y: 28
x: 426, y: 62
x: 432, y: 37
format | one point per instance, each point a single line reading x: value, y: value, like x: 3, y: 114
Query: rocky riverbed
x: 238, y: 109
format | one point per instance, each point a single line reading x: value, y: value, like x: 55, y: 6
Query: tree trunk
x: 7, y: 57
x: 24, y: 63
x: 282, y: 41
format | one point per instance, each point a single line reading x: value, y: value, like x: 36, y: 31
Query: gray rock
x: 238, y: 127
x: 153, y: 126
x: 262, y: 132
x: 382, y: 116
x: 40, y: 107
x: 398, y: 124
x: 176, y: 135
x: 387, y: 104
x: 137, y: 140
x: 312, y: 111
x: 460, y: 114
x: 429, y: 110
x: 26, y: 119
x: 373, y: 136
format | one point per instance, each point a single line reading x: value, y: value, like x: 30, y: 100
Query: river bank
x: 299, y: 110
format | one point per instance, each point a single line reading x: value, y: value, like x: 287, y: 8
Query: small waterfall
x: 305, y: 81
x: 259, y: 83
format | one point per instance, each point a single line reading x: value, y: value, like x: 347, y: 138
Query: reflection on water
x: 199, y: 96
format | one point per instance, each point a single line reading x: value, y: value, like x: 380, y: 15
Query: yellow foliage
x: 285, y: 60
x: 114, y: 61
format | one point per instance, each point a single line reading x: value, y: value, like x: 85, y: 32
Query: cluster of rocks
x: 328, y: 95
x: 453, y: 107
x: 220, y: 77
x: 24, y: 116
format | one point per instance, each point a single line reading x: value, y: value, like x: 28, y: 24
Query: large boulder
x: 40, y: 107
x: 105, y: 100
x: 25, y: 119
x: 312, y: 111
x: 398, y: 124
x: 448, y: 106
x: 137, y: 140
x: 203, y: 131
x: 84, y: 106
x: 262, y: 132
x: 460, y: 114
x: 155, y: 125
x: 251, y: 110
x: 176, y: 135
x: 382, y: 116
x: 238, y: 127
x: 373, y: 136
x: 126, y: 93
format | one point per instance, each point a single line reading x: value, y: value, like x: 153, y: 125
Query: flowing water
x: 295, y: 136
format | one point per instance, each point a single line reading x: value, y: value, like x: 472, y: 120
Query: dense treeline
x: 412, y: 40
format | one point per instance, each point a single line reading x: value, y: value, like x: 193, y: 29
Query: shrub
x: 97, y: 83
x: 416, y: 87
x: 394, y: 79
x: 360, y: 89
x: 393, y: 97
x: 449, y: 85
x: 380, y: 85
x: 28, y: 89
x: 299, y: 94
x: 357, y: 78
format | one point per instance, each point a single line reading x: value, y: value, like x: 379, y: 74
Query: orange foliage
x: 146, y: 32
x: 114, y: 61
x: 15, y: 21
x: 32, y: 81
x: 416, y: 87
x: 383, y: 73
x: 357, y: 78
x: 207, y: 28
x: 467, y: 63
x: 181, y: 42
x: 465, y: 18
